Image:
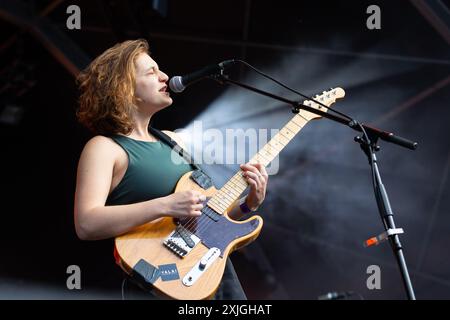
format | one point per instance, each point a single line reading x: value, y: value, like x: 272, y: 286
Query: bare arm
x: 94, y: 220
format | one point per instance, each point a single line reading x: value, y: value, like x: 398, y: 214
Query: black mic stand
x: 368, y: 143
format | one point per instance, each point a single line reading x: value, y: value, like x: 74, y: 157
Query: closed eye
x: 152, y: 70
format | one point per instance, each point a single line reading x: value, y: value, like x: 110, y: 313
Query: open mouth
x: 163, y: 89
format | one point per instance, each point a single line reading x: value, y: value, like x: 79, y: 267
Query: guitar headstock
x: 327, y: 98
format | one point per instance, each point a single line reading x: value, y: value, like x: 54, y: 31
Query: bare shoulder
x: 101, y: 148
x: 176, y: 137
x: 100, y: 144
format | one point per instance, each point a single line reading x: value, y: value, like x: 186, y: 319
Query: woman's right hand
x: 184, y: 204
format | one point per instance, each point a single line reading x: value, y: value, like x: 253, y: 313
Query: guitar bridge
x: 181, y: 241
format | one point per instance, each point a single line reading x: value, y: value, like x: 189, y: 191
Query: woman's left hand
x: 257, y: 177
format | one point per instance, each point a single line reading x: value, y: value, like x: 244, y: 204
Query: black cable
x: 292, y: 90
x: 375, y: 184
x: 369, y: 146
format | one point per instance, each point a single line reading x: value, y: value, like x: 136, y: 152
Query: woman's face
x: 151, y: 90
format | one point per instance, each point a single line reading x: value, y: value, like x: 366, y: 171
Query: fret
x: 288, y: 130
x: 236, y: 185
x: 262, y: 159
x: 212, y: 203
x: 266, y: 149
x: 223, y: 196
x: 265, y: 156
x: 303, y: 118
x: 270, y: 151
x: 242, y: 185
x: 233, y: 185
x: 302, y: 121
x: 216, y: 208
x: 238, y: 177
x: 231, y: 190
x: 257, y: 158
x: 225, y: 189
x: 230, y: 187
x: 298, y: 127
x: 215, y: 202
x: 259, y: 155
x: 293, y: 127
x: 264, y: 162
x: 280, y: 142
x: 221, y: 208
x: 283, y: 136
x: 298, y: 122
x: 287, y: 133
x: 275, y: 144
x: 226, y: 192
x: 277, y: 140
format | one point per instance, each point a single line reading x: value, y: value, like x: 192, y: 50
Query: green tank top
x: 153, y: 171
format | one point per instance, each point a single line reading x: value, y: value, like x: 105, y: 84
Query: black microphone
x: 179, y: 83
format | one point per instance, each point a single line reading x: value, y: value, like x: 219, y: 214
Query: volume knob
x: 202, y: 264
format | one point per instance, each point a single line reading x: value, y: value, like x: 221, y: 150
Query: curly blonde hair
x: 107, y: 89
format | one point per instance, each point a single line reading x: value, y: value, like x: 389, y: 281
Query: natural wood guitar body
x: 146, y: 242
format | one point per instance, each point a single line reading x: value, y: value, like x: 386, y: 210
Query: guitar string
x: 195, y: 220
x: 202, y: 227
x: 192, y: 221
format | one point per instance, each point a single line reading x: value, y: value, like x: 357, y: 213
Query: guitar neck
x: 232, y: 190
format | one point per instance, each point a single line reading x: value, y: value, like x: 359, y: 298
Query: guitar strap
x: 199, y: 176
x: 144, y: 274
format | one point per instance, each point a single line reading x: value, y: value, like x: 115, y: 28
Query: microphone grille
x: 176, y: 84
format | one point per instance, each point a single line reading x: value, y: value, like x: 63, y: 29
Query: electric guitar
x: 185, y: 259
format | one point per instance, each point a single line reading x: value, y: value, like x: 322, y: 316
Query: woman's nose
x: 163, y: 77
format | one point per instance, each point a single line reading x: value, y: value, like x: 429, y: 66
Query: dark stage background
x: 319, y: 207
